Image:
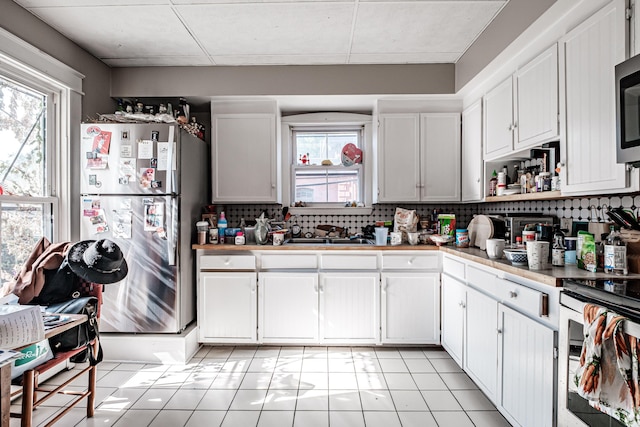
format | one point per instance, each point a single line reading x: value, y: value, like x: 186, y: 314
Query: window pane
x: 327, y: 186
x: 319, y: 146
x: 22, y: 140
x: 22, y: 225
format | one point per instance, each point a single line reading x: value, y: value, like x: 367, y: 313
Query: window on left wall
x: 28, y: 203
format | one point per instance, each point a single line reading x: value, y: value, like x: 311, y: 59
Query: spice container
x: 239, y: 238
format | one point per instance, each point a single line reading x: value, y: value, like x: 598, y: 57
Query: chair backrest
x: 90, y: 289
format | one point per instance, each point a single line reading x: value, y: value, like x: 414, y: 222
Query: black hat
x: 98, y: 261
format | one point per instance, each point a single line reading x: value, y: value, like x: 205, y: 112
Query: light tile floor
x: 285, y: 387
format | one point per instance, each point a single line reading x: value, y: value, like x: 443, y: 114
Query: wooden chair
x: 33, y: 395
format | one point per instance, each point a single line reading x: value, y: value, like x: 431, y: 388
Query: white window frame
x: 26, y: 64
x: 327, y: 121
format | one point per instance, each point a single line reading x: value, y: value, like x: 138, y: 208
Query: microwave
x: 515, y: 225
x: 628, y: 111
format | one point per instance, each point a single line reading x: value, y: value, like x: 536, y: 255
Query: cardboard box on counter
x: 632, y: 238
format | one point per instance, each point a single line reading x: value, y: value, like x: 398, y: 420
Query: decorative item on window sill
x: 305, y: 159
x: 300, y: 204
x: 351, y: 155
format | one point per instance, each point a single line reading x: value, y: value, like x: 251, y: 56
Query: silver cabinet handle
x: 513, y: 294
x: 499, y: 331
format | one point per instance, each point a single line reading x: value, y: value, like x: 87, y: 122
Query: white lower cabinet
x: 454, y: 302
x: 410, y: 309
x: 526, y: 360
x: 228, y: 307
x: 288, y: 307
x: 481, y: 346
x: 349, y: 307
x: 497, y: 331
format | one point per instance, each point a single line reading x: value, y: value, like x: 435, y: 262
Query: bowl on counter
x: 516, y: 256
x: 441, y: 239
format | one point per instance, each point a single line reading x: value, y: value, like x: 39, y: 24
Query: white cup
x: 396, y: 238
x: 538, y: 254
x: 278, y: 239
x: 495, y: 248
x: 412, y: 237
x: 381, y: 236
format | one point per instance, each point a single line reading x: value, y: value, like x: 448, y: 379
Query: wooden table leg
x: 91, y: 398
x: 28, y: 392
x: 5, y: 393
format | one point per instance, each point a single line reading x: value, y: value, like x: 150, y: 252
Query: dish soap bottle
x: 222, y: 227
x: 615, y: 253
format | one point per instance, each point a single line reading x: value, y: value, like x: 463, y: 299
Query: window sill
x: 330, y: 211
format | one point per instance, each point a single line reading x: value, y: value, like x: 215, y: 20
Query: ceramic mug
x: 396, y: 238
x: 537, y: 254
x: 495, y: 248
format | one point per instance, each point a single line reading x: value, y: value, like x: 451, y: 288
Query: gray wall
x: 283, y: 80
x: 26, y: 26
x: 512, y: 20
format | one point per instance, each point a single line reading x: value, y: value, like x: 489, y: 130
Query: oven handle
x: 576, y: 305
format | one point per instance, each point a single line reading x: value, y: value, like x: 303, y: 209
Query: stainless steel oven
x: 617, y: 294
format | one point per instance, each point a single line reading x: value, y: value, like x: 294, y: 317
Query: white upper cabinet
x: 419, y: 157
x: 498, y: 120
x: 471, y: 182
x: 243, y: 158
x: 522, y: 111
x: 589, y: 53
x: 536, y: 86
x: 399, y: 158
x: 440, y: 152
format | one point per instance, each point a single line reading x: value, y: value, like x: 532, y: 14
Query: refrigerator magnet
x: 145, y: 149
x: 153, y: 216
x: 101, y: 142
x: 147, y: 175
x: 126, y: 151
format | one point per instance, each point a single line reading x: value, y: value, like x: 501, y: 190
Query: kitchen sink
x: 327, y: 241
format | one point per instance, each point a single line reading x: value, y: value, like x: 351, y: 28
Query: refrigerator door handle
x: 172, y: 230
x: 170, y: 154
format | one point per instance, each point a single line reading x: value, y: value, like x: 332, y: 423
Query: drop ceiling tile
x: 404, y: 58
x: 279, y: 59
x: 123, y: 31
x: 77, y: 3
x: 271, y: 28
x: 420, y: 26
x: 159, y: 61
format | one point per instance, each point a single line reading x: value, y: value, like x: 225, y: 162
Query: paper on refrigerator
x: 20, y: 325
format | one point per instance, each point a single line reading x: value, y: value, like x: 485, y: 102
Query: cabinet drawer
x: 521, y: 298
x: 453, y: 267
x: 408, y: 262
x: 349, y: 262
x: 227, y: 262
x: 483, y: 280
x: 269, y: 261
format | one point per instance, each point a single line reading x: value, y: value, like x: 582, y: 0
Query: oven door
x: 574, y: 410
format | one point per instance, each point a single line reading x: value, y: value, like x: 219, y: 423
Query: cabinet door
x: 498, y: 120
x: 526, y: 360
x: 244, y: 158
x: 288, y: 307
x: 537, y: 100
x: 350, y: 307
x: 228, y: 307
x: 440, y: 153
x: 590, y: 52
x: 454, y: 301
x: 481, y: 345
x: 410, y: 308
x: 471, y: 184
x: 399, y: 158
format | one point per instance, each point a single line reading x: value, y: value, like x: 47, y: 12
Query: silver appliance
x: 628, y: 111
x: 143, y: 186
x: 618, y: 294
x: 515, y: 224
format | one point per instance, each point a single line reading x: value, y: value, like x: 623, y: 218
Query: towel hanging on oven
x: 607, y: 375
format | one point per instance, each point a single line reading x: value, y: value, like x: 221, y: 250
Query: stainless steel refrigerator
x: 143, y: 186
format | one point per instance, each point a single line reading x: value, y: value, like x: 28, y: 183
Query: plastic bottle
x: 557, y: 252
x: 239, y: 238
x: 615, y: 253
x: 222, y: 227
x: 493, y: 183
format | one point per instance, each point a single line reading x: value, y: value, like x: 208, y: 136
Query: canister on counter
x: 462, y: 238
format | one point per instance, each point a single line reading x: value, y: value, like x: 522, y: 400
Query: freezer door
x: 147, y: 300
x: 129, y: 158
